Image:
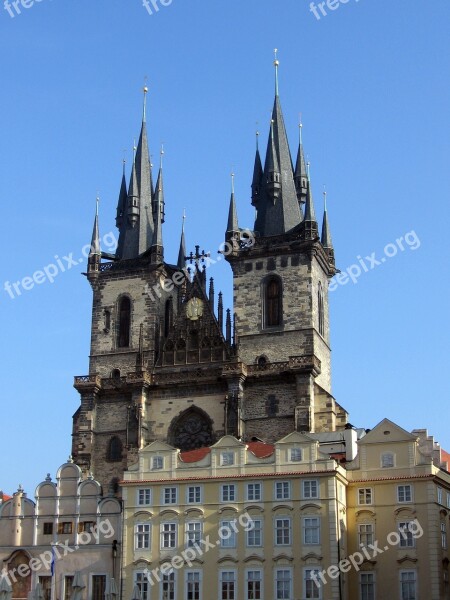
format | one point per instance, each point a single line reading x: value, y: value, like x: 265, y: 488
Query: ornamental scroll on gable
x: 195, y: 335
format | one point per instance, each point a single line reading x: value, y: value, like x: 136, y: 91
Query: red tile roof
x: 260, y: 449
x: 445, y: 457
x: 194, y: 455
x: 6, y: 497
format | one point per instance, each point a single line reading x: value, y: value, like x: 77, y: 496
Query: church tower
x: 167, y: 362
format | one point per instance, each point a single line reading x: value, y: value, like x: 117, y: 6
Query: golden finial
x: 325, y: 197
x: 134, y: 149
x: 97, y: 201
x: 300, y: 127
x: 276, y: 64
x: 232, y: 182
x: 184, y: 217
x: 308, y: 165
x: 145, y: 90
x: 161, y: 154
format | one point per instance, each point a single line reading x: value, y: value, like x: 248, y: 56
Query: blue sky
x: 371, y: 81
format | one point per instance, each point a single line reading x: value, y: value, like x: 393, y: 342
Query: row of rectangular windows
x: 228, y: 493
x: 283, y: 583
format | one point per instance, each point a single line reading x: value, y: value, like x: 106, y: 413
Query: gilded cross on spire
x: 198, y: 257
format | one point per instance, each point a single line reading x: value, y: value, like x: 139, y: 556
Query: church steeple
x: 278, y: 208
x: 145, y: 183
x: 310, y: 221
x: 121, y: 215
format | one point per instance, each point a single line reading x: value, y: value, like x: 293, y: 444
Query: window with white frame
x: 311, y: 530
x: 194, y: 494
x: 157, y: 463
x: 68, y: 589
x: 406, y: 535
x: 443, y: 535
x: 254, y: 491
x: 227, y: 585
x: 169, y: 495
x: 283, y: 584
x: 46, y: 584
x: 365, y: 534
x: 168, y: 536
x: 227, y: 534
x: 254, y: 584
x: 365, y: 496
x: 142, y: 536
x: 408, y: 585
x: 295, y: 454
x: 282, y: 490
x: 226, y: 459
x: 228, y: 492
x: 439, y: 495
x: 167, y: 586
x: 193, y: 533
x: 254, y: 535
x: 98, y: 583
x: 404, y: 493
x: 142, y: 583
x: 283, y: 531
x: 367, y: 585
x: 144, y: 496
x: 193, y: 585
x: 311, y: 583
x: 387, y: 460
x: 310, y: 488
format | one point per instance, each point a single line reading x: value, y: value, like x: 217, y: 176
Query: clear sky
x: 371, y: 79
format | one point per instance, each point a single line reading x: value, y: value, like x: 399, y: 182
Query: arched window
x: 124, y: 322
x: 320, y: 310
x: 115, y: 449
x: 272, y: 303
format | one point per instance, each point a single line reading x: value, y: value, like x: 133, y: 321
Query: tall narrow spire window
x: 272, y: 302
x: 124, y: 322
x: 321, y: 310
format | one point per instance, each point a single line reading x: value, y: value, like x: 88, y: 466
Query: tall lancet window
x: 124, y: 323
x: 320, y: 310
x: 272, y: 303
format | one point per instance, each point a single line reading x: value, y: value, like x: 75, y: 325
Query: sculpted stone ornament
x: 194, y: 309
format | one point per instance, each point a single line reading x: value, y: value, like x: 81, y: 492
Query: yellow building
x: 307, y: 517
x: 232, y: 521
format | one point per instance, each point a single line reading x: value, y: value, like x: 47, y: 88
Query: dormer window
x: 157, y: 462
x: 295, y: 455
x: 387, y: 460
x: 226, y: 459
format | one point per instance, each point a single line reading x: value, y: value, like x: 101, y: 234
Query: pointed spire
x: 272, y: 168
x: 211, y: 294
x: 310, y: 213
x: 257, y: 174
x: 95, y: 241
x: 327, y: 242
x: 232, y: 226
x: 157, y: 243
x: 122, y: 202
x: 220, y: 312
x: 181, y: 262
x: 95, y: 252
x: 144, y: 183
x: 300, y: 175
x: 228, y: 326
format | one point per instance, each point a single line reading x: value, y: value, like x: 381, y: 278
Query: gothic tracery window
x: 191, y: 430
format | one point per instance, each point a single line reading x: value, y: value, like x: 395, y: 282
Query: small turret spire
x: 232, y: 226
x: 95, y: 252
x: 272, y: 168
x: 310, y: 214
x: 326, y: 234
x: 257, y: 174
x: 133, y: 195
x: 181, y: 262
x: 300, y: 175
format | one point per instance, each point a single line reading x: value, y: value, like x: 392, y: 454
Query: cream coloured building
x: 69, y: 523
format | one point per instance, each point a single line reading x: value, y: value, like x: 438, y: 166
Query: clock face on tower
x: 194, y: 309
